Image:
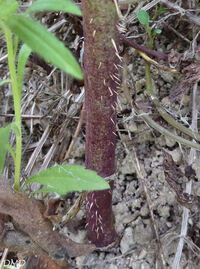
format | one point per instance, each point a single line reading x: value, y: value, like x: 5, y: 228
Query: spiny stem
x: 101, y: 74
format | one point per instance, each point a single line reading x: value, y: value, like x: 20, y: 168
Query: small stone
x: 127, y: 240
x: 132, y: 126
x: 170, y: 142
x: 143, y: 233
x: 165, y: 101
x: 176, y: 155
x: 166, y: 76
x: 163, y: 211
x: 144, y: 211
x: 142, y: 254
x: 113, y: 266
x: 127, y: 166
x: 185, y: 99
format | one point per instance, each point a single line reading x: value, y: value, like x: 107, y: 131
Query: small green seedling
x: 144, y: 19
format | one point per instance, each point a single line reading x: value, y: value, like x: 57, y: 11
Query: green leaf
x: 8, y: 7
x: 14, y: 126
x: 44, y: 43
x: 162, y: 10
x: 4, y: 82
x: 157, y: 31
x: 11, y: 151
x: 54, y: 5
x: 4, y: 142
x: 143, y: 17
x: 67, y: 178
x: 24, y: 53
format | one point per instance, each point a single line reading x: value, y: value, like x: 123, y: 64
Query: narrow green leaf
x: 143, y: 17
x: 14, y: 126
x: 11, y: 151
x: 44, y: 43
x: 54, y: 5
x: 162, y: 10
x: 24, y: 53
x: 67, y: 178
x: 4, y: 82
x: 4, y: 142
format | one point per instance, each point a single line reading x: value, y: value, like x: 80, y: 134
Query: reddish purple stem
x: 101, y: 74
x: 133, y: 44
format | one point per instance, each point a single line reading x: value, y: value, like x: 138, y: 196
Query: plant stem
x: 17, y: 105
x: 101, y: 79
x: 133, y: 44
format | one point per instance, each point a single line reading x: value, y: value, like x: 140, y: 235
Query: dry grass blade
x: 37, y: 151
x: 74, y: 108
x: 5, y: 252
x: 78, y: 128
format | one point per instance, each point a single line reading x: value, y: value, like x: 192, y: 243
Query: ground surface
x: 54, y: 94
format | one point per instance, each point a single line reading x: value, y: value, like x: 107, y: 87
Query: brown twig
x: 133, y: 44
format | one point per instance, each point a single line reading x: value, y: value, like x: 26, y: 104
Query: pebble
x: 127, y: 240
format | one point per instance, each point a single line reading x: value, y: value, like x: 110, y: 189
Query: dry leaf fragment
x: 172, y: 176
x: 27, y: 216
x: 55, y: 210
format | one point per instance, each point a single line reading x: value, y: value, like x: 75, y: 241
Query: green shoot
x: 144, y: 19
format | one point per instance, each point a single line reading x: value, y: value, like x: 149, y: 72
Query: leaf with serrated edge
x: 54, y: 5
x: 44, y: 43
x: 67, y: 178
